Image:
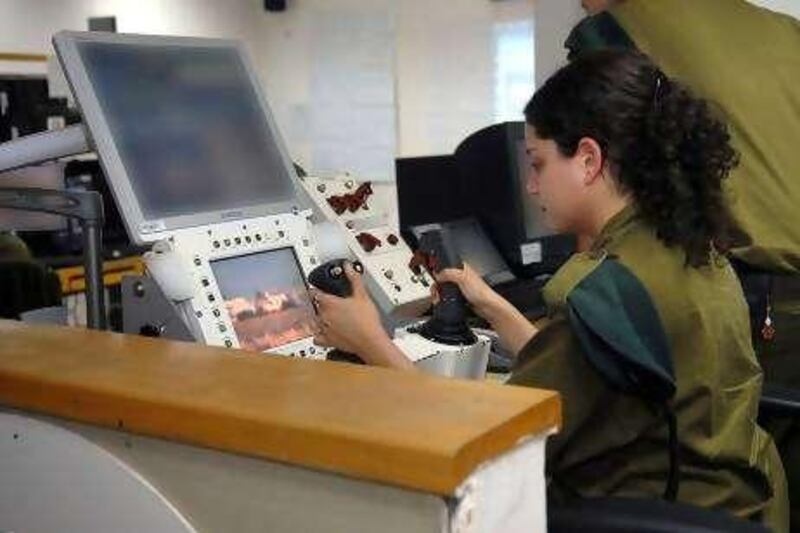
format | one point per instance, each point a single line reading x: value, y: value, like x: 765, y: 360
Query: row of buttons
x: 237, y: 241
x: 302, y: 353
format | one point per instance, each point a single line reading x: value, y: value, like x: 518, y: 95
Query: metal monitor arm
x: 86, y: 207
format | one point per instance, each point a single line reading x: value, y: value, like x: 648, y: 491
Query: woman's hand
x: 513, y: 329
x: 483, y: 299
x: 353, y: 325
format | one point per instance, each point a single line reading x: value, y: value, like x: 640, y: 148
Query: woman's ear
x: 590, y: 157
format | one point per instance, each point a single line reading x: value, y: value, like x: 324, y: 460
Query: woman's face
x: 593, y: 7
x: 557, y: 183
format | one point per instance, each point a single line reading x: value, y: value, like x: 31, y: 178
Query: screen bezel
x: 299, y: 265
x: 141, y: 229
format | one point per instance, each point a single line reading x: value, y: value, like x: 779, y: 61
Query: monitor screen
x: 188, y: 127
x: 181, y: 128
x: 474, y: 247
x: 266, y: 298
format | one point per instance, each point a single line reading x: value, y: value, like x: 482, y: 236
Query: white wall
x: 441, y: 60
x: 426, y: 69
x: 446, y: 68
x: 28, y: 25
x: 443, y: 68
x: 554, y: 20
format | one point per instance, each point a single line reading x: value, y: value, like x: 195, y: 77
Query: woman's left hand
x: 350, y: 324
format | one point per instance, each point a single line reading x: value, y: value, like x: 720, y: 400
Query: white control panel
x: 249, y: 288
x: 363, y: 212
x: 465, y: 362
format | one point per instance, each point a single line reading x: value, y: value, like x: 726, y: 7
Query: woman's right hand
x: 483, y: 299
x: 513, y: 329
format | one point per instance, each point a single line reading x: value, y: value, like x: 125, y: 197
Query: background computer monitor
x: 182, y: 130
x: 493, y: 166
x: 429, y: 190
x: 266, y: 298
x: 474, y: 247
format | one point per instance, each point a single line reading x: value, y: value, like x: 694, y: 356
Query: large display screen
x: 189, y: 127
x: 266, y: 298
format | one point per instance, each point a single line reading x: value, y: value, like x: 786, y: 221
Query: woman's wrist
x: 382, y: 351
x: 494, y: 309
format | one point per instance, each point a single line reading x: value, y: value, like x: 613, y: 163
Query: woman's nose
x: 532, y: 183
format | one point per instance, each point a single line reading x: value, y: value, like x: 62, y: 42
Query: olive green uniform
x: 746, y: 60
x: 615, y: 444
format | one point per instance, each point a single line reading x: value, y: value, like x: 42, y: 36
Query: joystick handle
x: 448, y: 324
x: 331, y: 278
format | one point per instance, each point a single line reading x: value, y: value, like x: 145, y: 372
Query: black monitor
x: 493, y: 167
x: 429, y: 190
x: 473, y: 246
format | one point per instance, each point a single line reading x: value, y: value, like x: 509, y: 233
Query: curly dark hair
x: 663, y: 145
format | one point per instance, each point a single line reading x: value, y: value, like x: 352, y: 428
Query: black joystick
x: 448, y: 325
x: 331, y: 278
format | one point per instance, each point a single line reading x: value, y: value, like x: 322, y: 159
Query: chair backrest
x: 628, y: 515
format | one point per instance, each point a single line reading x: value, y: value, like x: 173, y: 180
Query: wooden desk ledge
x: 410, y: 430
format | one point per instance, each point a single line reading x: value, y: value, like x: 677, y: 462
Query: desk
x: 233, y: 441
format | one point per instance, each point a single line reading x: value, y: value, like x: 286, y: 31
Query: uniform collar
x: 616, y: 226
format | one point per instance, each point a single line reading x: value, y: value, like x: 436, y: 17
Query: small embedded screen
x: 266, y: 298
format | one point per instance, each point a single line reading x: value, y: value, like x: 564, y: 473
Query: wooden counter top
x: 400, y: 428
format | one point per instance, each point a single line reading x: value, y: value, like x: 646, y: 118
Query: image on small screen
x: 188, y: 126
x: 266, y: 298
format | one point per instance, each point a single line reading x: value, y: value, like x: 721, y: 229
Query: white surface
x: 331, y: 241
x: 55, y: 480
x: 445, y: 68
x: 195, y: 250
x: 788, y: 7
x: 463, y: 362
x: 42, y: 147
x: 531, y: 253
x: 441, y: 58
x: 172, y: 272
x: 232, y: 493
x: 395, y: 288
x: 228, y: 492
x: 507, y: 494
x: 449, y: 74
x: 352, y: 105
x: 554, y: 20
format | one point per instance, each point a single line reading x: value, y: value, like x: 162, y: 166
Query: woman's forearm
x: 511, y: 326
x: 381, y: 351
